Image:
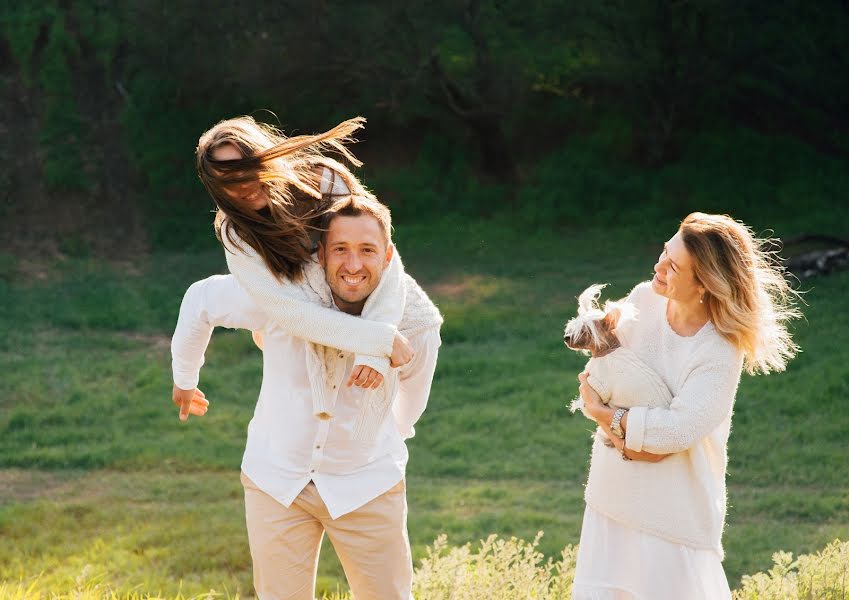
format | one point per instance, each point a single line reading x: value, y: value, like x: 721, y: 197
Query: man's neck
x: 352, y: 308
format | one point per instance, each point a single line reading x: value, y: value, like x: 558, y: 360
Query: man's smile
x: 353, y: 280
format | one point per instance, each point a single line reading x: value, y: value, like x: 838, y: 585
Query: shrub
x: 500, y: 569
x: 511, y: 569
x: 824, y: 576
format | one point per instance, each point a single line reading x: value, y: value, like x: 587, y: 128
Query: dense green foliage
x: 535, y: 107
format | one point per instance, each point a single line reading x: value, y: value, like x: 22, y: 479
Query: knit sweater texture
x: 303, y: 309
x: 419, y: 314
x: 297, y: 307
x: 682, y: 498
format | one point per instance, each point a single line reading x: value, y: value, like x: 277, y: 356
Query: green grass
x: 98, y: 477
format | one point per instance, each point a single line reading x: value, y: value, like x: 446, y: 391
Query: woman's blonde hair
x: 748, y: 298
x: 289, y: 170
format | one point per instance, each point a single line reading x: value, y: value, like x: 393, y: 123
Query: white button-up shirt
x: 288, y: 446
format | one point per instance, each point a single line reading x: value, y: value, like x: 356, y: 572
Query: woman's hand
x: 365, y: 377
x: 593, y: 408
x: 192, y: 402
x: 402, y: 351
x: 619, y: 444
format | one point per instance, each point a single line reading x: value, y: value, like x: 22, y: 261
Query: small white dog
x: 615, y: 372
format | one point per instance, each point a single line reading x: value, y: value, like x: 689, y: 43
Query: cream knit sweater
x: 419, y: 313
x: 303, y: 310
x: 681, y: 498
x: 297, y: 307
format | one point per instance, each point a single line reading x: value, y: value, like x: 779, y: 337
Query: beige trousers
x: 371, y: 543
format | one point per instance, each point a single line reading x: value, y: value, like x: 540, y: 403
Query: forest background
x: 526, y: 149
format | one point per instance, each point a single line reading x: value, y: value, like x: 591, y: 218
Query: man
x: 307, y: 472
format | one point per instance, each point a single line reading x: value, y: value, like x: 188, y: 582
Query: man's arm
x: 212, y: 302
x: 416, y: 378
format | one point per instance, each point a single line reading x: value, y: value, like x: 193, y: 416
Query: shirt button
x: 318, y: 447
x: 312, y: 470
x: 324, y: 416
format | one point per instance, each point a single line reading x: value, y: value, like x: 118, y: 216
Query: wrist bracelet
x: 615, y: 423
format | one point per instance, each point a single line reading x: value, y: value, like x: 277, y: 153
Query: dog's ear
x: 611, y: 319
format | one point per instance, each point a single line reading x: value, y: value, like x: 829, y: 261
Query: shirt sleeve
x: 290, y: 307
x: 217, y: 301
x: 705, y: 399
x: 416, y: 378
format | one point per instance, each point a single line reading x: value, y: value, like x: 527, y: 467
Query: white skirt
x: 616, y: 562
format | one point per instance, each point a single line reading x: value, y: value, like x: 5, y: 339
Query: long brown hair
x: 747, y: 296
x: 289, y: 171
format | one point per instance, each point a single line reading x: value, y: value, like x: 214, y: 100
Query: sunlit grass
x: 101, y: 478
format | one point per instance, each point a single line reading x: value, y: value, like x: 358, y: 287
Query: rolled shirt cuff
x: 635, y: 434
x: 185, y: 379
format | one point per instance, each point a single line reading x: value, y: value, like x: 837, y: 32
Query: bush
x: 500, y: 569
x: 512, y: 569
x: 824, y: 576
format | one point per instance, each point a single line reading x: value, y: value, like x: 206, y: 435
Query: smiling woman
x: 319, y: 456
x: 718, y: 302
x: 271, y: 191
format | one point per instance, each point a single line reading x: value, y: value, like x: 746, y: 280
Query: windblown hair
x: 747, y: 296
x: 289, y: 169
x: 355, y: 205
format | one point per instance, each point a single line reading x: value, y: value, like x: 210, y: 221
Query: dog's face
x: 590, y: 333
x: 593, y: 331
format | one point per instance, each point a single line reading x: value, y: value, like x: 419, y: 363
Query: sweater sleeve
x: 703, y: 402
x: 386, y: 302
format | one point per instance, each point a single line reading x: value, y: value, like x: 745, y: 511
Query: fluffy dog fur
x: 615, y: 372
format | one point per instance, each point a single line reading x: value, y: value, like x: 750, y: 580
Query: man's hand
x: 402, y: 351
x: 192, y: 402
x: 365, y: 377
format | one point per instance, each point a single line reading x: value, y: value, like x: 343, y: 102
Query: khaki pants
x: 371, y: 543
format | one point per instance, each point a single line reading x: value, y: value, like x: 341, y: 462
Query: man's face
x: 354, y: 253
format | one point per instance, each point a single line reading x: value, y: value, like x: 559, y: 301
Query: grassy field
x: 99, y: 481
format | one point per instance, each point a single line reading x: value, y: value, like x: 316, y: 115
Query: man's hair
x: 356, y: 205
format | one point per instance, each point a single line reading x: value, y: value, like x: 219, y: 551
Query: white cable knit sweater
x: 295, y: 306
x: 302, y: 310
x: 681, y: 498
x: 419, y: 313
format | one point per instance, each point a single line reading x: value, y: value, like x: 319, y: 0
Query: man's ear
x: 321, y: 253
x: 390, y: 249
